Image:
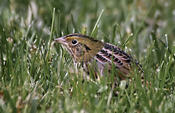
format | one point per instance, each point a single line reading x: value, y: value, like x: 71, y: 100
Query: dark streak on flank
x: 119, y: 52
x: 101, y: 58
x: 106, y: 54
x: 121, y: 63
x: 114, y: 49
x: 116, y: 59
x: 126, y: 54
x: 127, y: 60
x: 109, y: 47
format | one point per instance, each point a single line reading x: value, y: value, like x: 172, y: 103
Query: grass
x: 36, y: 76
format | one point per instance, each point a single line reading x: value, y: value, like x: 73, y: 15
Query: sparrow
x: 97, y: 57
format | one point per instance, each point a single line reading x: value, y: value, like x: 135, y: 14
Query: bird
x: 97, y: 57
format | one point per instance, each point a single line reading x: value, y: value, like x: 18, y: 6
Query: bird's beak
x: 60, y: 40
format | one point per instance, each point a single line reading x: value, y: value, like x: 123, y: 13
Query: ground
x: 37, y: 76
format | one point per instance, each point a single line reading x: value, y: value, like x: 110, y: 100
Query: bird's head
x: 81, y: 47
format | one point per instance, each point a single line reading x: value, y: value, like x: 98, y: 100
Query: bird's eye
x: 74, y: 42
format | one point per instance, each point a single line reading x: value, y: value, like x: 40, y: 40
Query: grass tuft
x: 36, y: 76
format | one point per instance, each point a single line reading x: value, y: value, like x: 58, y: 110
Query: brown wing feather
x: 119, y: 57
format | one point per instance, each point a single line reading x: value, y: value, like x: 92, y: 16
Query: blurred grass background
x: 37, y: 77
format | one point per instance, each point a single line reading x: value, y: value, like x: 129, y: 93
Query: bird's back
x: 109, y: 56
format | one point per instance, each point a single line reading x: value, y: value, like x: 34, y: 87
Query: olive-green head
x: 81, y: 47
